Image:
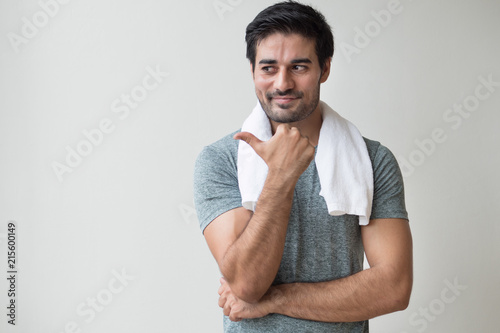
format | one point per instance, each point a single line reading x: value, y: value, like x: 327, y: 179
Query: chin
x: 283, y: 106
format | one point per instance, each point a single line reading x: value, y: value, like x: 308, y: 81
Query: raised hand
x: 287, y: 153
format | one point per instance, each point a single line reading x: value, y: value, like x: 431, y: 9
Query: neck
x: 308, y: 127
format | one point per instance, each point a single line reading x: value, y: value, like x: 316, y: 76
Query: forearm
x: 252, y: 261
x: 361, y: 296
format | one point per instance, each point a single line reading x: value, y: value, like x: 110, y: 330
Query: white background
x: 126, y: 207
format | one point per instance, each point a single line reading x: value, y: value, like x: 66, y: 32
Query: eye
x: 299, y: 68
x: 268, y: 69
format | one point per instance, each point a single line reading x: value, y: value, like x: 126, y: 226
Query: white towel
x: 344, y: 167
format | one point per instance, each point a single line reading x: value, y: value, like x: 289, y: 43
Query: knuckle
x: 295, y: 133
x: 281, y: 128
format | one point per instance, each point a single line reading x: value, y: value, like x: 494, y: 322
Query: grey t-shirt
x: 319, y: 247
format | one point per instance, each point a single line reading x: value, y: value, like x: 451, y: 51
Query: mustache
x: 289, y: 92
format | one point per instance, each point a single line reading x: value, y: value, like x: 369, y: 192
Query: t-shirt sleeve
x: 388, y: 194
x: 216, y: 188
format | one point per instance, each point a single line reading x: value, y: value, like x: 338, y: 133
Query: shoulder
x: 372, y: 147
x: 379, y: 154
x: 221, y: 152
x: 388, y: 196
x: 226, y: 144
x: 215, y: 180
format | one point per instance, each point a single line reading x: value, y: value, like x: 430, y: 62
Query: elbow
x: 247, y: 288
x: 397, y: 301
x: 401, y: 294
x: 247, y: 292
x: 395, y: 291
x: 402, y: 302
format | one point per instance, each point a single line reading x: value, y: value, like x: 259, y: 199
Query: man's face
x: 287, y: 77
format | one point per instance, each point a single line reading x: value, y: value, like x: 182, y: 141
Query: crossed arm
x: 383, y: 288
x: 248, y: 249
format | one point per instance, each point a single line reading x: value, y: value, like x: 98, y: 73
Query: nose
x: 283, y: 81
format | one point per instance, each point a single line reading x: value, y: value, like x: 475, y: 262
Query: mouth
x: 284, y: 99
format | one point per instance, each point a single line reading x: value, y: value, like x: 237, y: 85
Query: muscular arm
x: 248, y: 248
x: 250, y: 263
x: 383, y: 288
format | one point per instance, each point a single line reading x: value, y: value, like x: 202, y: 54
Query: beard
x: 282, y: 113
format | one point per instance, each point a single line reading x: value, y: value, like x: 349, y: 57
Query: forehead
x: 285, y: 47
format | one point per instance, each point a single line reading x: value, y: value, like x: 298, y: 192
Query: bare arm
x: 383, y: 288
x: 248, y: 248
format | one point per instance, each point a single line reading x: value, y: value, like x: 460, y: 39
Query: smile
x: 284, y: 100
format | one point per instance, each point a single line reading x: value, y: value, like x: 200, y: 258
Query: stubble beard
x: 302, y: 111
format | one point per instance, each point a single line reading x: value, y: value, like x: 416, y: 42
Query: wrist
x: 274, y: 299
x: 277, y: 181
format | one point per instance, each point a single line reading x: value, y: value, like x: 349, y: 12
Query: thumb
x: 249, y: 138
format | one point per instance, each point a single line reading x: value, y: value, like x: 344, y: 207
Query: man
x: 291, y: 265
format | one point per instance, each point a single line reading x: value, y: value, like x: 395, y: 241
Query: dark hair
x: 290, y: 17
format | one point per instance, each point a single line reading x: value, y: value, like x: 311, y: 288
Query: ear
x: 326, y: 70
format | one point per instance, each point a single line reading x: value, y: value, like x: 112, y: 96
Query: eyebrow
x: 294, y: 61
x: 301, y: 61
x: 268, y: 62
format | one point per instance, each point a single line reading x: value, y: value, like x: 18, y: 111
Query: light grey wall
x: 125, y: 207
